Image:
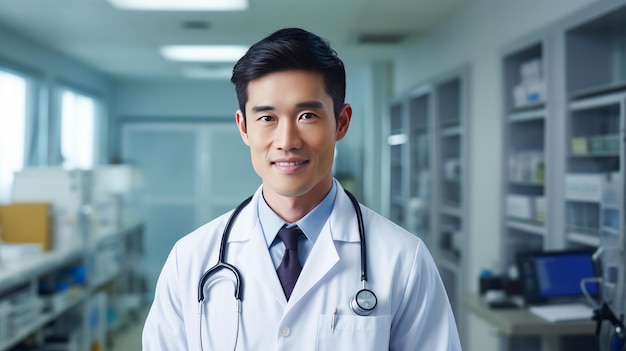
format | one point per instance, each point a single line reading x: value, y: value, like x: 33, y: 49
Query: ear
x: 241, y: 123
x: 344, y: 121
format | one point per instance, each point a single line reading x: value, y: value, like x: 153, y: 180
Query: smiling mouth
x: 290, y: 164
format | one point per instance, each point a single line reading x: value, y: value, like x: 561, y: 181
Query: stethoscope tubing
x: 221, y: 261
x: 222, y: 264
x: 359, y: 218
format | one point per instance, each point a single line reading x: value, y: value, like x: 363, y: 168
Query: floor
x: 129, y: 338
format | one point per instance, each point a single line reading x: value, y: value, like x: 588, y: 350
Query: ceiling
x: 126, y: 43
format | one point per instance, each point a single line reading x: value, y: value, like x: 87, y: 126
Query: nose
x: 288, y: 135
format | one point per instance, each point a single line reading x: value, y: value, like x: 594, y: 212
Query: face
x: 291, y: 131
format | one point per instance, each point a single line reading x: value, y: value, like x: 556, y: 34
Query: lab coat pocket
x: 346, y: 332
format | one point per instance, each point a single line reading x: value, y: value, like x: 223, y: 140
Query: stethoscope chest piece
x: 364, y: 302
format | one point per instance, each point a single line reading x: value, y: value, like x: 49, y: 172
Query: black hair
x: 291, y: 49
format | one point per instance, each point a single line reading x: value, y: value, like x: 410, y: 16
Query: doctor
x: 293, y: 253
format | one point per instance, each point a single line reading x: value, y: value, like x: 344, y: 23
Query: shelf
x: 578, y: 78
x: 598, y: 90
x: 433, y: 164
x: 29, y: 270
x: 531, y: 227
x: 597, y: 101
x: 526, y: 184
x: 537, y: 106
x: 583, y: 230
x: 18, y: 272
x: 448, y: 102
x: 595, y: 155
x: 528, y: 116
x: 44, y: 319
x: 449, y: 261
x: 114, y: 234
x: 582, y: 201
x: 396, y: 164
x: 594, y: 54
x: 453, y: 131
x: 419, y: 130
x: 450, y: 123
x: 452, y: 210
x: 583, y: 238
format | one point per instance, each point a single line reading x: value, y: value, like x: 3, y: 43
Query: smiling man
x: 291, y: 129
x: 301, y: 265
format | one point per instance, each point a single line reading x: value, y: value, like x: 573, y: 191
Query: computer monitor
x: 555, y: 275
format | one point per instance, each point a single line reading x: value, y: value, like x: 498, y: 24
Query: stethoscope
x: 362, y: 303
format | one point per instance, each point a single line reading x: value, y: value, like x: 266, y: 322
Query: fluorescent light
x: 203, y: 53
x: 397, y: 139
x: 208, y: 73
x: 181, y: 5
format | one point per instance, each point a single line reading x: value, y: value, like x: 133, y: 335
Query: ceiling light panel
x: 203, y: 53
x: 218, y: 73
x: 181, y: 5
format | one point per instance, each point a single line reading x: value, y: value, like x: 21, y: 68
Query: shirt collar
x: 311, y: 224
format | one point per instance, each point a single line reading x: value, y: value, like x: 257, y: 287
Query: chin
x: 293, y: 190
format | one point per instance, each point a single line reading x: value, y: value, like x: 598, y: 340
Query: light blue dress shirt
x: 311, y: 225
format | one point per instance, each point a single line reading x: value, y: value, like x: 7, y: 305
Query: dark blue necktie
x: 290, y: 267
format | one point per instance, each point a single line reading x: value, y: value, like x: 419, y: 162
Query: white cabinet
x: 428, y: 145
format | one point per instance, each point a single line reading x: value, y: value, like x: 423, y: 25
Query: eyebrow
x: 305, y: 105
x: 310, y: 104
x: 262, y: 108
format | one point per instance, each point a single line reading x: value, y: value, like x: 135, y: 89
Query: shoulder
x: 205, y: 235
x: 379, y: 228
x: 216, y: 224
x: 209, y: 236
x: 400, y: 247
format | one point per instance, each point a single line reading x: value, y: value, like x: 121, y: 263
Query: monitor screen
x: 557, y: 274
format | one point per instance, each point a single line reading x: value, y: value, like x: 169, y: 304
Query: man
x: 295, y: 248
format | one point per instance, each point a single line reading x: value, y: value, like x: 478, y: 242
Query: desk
x: 521, y: 322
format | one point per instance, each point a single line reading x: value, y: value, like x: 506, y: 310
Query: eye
x: 307, y: 115
x: 265, y: 118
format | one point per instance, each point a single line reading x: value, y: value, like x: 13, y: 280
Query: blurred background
x: 487, y: 128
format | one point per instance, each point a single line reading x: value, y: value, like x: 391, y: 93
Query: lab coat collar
x: 341, y: 229
x: 247, y: 220
x: 341, y: 226
x: 343, y: 221
x: 324, y: 255
x: 254, y: 255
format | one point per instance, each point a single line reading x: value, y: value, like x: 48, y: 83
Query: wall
x: 169, y: 99
x: 477, y: 35
x: 176, y: 99
x: 52, y: 69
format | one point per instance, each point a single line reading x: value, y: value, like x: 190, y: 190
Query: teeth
x: 289, y: 164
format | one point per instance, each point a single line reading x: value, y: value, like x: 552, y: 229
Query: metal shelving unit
x: 428, y: 156
x: 26, y: 312
x: 526, y: 216
x: 564, y: 113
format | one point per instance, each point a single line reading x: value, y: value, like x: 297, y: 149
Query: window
x: 78, y: 122
x: 13, y: 110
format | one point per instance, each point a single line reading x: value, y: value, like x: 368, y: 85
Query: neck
x: 293, y: 208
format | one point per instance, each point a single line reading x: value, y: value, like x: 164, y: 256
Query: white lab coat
x: 413, y: 312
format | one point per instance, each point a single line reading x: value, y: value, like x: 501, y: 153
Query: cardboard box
x: 580, y: 146
x: 67, y: 191
x: 584, y: 187
x: 27, y: 222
